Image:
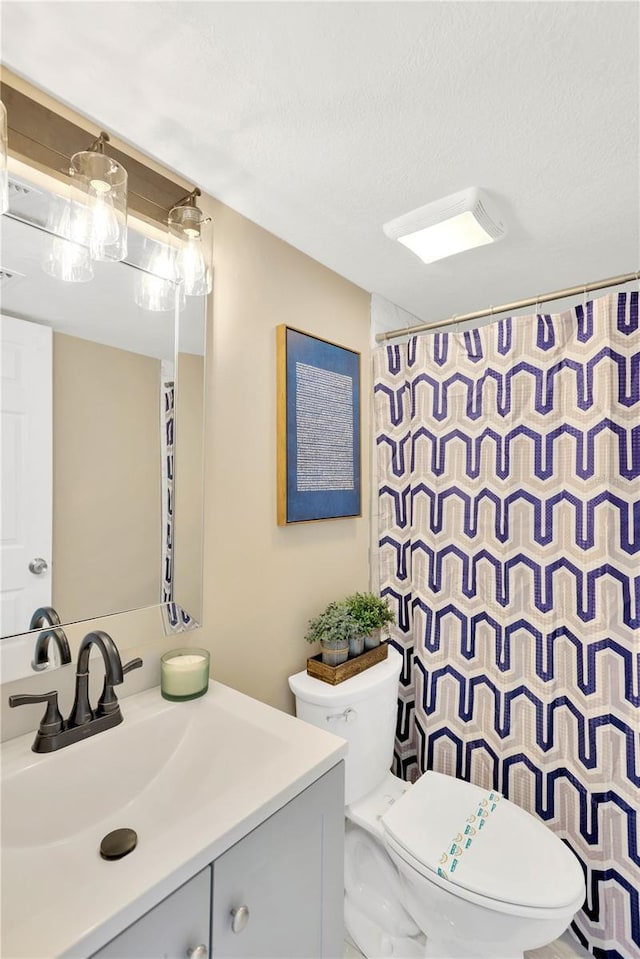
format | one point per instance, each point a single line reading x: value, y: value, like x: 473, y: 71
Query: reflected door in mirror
x: 26, y: 521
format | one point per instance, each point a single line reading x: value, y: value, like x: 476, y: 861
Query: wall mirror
x: 102, y: 434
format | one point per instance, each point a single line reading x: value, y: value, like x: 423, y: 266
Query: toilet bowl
x: 443, y: 868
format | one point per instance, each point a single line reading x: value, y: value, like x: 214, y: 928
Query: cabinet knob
x: 198, y: 952
x: 239, y: 918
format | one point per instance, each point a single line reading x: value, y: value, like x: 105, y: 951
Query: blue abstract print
x: 509, y: 505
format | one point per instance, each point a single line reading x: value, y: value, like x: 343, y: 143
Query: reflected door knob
x: 38, y: 566
x: 198, y: 952
x: 239, y: 918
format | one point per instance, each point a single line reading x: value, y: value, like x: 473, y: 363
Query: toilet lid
x: 480, y: 841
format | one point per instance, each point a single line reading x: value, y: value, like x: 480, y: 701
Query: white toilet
x: 442, y: 859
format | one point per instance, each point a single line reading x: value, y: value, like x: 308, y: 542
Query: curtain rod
x: 508, y: 307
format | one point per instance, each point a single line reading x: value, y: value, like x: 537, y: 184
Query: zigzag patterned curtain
x: 509, y: 500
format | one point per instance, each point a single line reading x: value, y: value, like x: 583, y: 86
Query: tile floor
x: 565, y: 947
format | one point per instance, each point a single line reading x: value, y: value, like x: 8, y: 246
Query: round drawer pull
x: 198, y: 952
x: 239, y: 918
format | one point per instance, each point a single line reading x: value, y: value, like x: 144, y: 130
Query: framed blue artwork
x: 318, y: 428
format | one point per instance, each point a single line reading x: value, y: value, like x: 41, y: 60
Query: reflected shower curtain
x: 167, y: 420
x: 509, y: 501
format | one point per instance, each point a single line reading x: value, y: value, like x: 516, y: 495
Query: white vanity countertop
x: 191, y: 778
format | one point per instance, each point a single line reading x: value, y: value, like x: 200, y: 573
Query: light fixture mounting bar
x: 98, y: 144
x: 190, y: 198
x: 42, y: 138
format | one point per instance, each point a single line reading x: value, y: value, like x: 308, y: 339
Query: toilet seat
x: 512, y: 862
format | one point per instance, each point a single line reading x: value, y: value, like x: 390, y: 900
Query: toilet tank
x: 363, y: 711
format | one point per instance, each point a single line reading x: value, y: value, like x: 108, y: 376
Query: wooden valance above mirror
x: 46, y: 140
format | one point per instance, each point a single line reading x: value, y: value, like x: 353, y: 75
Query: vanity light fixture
x: 181, y: 266
x: 455, y: 223
x: 103, y: 189
x: 98, y: 218
x: 191, y: 236
x: 4, y: 173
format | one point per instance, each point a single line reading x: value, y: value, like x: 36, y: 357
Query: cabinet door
x: 178, y: 924
x: 288, y: 873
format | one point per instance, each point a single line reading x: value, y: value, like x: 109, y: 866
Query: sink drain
x: 118, y: 843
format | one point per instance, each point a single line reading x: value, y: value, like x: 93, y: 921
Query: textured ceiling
x: 321, y: 121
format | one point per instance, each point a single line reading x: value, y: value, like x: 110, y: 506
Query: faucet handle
x: 108, y: 702
x: 132, y: 664
x: 51, y: 722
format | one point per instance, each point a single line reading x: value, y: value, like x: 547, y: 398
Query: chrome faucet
x: 55, y: 732
x: 47, y: 616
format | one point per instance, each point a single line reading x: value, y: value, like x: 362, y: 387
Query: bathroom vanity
x: 238, y: 810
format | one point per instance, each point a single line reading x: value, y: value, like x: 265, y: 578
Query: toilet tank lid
x: 311, y: 690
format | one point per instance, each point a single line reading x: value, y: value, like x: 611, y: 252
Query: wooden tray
x: 338, y: 674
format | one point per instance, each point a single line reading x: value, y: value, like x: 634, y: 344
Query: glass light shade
x: 99, y: 205
x: 156, y: 287
x: 4, y: 173
x: 63, y: 259
x: 191, y: 232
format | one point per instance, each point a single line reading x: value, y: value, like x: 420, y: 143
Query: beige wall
x: 263, y: 582
x: 106, y: 479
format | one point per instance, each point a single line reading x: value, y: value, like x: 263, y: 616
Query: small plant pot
x: 372, y: 640
x: 356, y: 646
x: 335, y: 652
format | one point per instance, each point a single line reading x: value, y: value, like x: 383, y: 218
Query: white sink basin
x: 190, y: 778
x: 160, y: 759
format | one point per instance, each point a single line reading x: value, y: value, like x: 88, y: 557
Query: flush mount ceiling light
x: 448, y: 226
x: 99, y: 202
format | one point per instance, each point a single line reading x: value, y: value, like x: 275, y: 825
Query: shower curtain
x: 509, y: 505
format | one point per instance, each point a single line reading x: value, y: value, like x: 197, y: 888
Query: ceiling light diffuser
x: 448, y: 226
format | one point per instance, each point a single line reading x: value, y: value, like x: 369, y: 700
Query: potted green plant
x: 333, y: 628
x: 371, y: 613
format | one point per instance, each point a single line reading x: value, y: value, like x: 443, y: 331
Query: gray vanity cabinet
x: 178, y: 924
x: 276, y: 894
